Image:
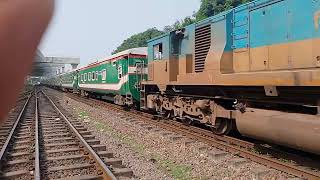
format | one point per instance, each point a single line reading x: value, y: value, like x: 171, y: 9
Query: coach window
x: 85, y: 77
x: 104, y: 75
x: 157, y: 51
x: 89, y: 76
x: 81, y: 77
x: 119, y: 71
x: 93, y: 76
x: 97, y: 76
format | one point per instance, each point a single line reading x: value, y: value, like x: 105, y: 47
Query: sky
x: 93, y: 29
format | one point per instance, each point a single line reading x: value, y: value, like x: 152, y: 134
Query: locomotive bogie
x: 204, y: 111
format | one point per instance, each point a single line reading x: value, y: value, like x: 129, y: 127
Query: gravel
x: 67, y: 162
x: 70, y: 173
x: 154, y: 153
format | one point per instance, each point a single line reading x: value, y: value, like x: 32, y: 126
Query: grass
x: 177, y: 171
x: 83, y: 114
x: 121, y: 137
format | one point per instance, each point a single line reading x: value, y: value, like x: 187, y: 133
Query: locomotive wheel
x: 223, y: 126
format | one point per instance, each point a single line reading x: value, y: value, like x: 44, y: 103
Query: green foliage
x: 212, y: 7
x: 180, y: 24
x: 138, y: 40
x: 208, y: 8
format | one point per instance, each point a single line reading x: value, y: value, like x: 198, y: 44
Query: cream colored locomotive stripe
x: 118, y: 86
x: 133, y: 70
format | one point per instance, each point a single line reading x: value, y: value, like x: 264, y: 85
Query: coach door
x: 140, y: 74
x: 75, y: 82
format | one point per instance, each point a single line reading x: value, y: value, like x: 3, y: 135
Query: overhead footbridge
x: 47, y: 66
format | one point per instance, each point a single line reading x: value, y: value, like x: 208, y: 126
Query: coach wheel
x: 167, y: 114
x: 222, y: 126
x: 186, y: 121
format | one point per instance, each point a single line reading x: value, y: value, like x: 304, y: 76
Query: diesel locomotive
x: 254, y: 69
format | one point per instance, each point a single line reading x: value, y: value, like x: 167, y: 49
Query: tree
x: 187, y: 21
x: 208, y: 8
x: 180, y: 24
x: 212, y: 7
x: 138, y: 40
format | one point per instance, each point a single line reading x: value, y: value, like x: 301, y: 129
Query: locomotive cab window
x: 157, y: 51
x: 104, y: 75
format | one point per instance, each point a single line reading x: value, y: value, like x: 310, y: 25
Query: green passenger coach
x: 116, y: 78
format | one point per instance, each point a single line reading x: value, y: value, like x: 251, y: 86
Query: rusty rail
x: 6, y: 144
x: 37, y: 174
x: 107, y: 174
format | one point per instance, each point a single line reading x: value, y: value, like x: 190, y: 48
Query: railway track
x: 292, y: 163
x: 16, y: 156
x: 40, y: 142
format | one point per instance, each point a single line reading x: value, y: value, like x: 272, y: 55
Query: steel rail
x: 225, y: 141
x: 107, y: 174
x: 37, y: 148
x: 5, y: 145
x: 218, y: 142
x: 250, y: 155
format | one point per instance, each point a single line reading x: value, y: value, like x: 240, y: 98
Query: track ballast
x: 39, y: 141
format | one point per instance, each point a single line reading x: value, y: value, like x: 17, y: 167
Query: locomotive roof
x: 137, y: 51
x: 217, y: 16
